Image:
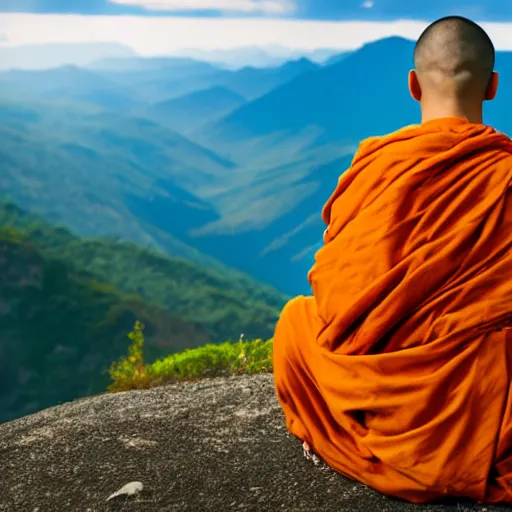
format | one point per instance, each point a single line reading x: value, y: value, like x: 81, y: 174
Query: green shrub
x: 242, y: 357
x: 131, y: 372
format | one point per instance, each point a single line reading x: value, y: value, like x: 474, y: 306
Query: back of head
x: 454, y: 57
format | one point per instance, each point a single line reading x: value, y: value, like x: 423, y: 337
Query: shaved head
x: 454, y: 57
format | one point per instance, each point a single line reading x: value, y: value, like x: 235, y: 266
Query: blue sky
x: 482, y: 10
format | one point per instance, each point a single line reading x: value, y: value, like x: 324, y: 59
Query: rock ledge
x: 214, y: 445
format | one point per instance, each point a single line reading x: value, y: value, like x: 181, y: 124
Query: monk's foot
x: 308, y: 453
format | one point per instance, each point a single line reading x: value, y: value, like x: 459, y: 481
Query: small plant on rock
x: 131, y: 372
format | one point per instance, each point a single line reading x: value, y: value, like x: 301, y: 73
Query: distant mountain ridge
x: 43, y: 56
x: 136, y: 63
x: 291, y: 107
x: 245, y: 189
x: 259, y: 56
x: 194, y: 110
x: 138, y: 81
x: 66, y: 83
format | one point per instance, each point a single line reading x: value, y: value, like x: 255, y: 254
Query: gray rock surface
x: 215, y: 445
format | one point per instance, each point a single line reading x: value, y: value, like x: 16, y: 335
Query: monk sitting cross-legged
x: 397, y: 371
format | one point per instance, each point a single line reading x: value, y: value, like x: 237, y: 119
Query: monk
x: 397, y: 371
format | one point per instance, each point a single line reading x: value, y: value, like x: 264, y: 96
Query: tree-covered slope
x: 66, y: 305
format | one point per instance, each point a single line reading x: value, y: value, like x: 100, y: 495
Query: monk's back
x: 411, y: 303
x: 416, y: 214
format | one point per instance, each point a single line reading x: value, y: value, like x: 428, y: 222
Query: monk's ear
x: 492, y: 88
x: 414, y: 85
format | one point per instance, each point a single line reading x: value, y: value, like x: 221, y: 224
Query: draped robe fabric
x: 397, y: 370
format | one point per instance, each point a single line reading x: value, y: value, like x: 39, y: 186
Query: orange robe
x: 398, y: 370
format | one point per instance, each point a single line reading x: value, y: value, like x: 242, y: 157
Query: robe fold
x: 398, y: 369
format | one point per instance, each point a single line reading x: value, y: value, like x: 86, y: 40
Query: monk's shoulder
x: 504, y: 164
x: 387, y: 142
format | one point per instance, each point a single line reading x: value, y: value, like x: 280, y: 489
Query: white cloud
x: 149, y: 35
x: 243, y: 6
x: 368, y: 4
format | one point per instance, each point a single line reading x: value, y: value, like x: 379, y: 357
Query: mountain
x: 157, y: 83
x: 104, y: 174
x: 66, y: 304
x: 275, y: 218
x: 66, y: 84
x: 180, y: 67
x: 335, y: 58
x: 198, y: 60
x: 252, y: 82
x: 60, y: 328
x: 151, y: 80
x: 258, y: 56
x: 333, y: 110
x: 194, y: 110
x: 43, y: 56
x: 129, y: 84
x: 236, y: 58
x: 93, y: 171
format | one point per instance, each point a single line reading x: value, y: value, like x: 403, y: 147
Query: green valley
x: 67, y: 304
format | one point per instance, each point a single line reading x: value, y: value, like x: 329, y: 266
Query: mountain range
x: 227, y: 168
x: 191, y: 111
x: 258, y: 56
x: 49, y: 55
x: 155, y: 80
x: 110, y: 55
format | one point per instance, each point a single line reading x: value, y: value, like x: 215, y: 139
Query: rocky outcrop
x: 215, y: 445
